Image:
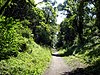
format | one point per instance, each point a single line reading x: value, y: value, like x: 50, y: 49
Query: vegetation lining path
x: 57, y: 67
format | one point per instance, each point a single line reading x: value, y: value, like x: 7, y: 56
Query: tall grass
x: 26, y: 63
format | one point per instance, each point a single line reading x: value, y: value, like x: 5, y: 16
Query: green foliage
x: 67, y: 32
x: 43, y: 24
x: 17, y: 40
x: 19, y: 54
x: 44, y: 33
x: 13, y: 37
x: 8, y: 37
x: 27, y: 63
x: 82, y: 23
x: 44, y: 17
x: 78, y: 34
x: 1, y: 3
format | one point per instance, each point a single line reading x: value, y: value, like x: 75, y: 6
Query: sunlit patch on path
x: 57, y: 66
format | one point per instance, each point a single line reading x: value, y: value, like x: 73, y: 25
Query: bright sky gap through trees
x: 60, y: 17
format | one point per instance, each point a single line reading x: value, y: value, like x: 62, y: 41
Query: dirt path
x: 57, y: 67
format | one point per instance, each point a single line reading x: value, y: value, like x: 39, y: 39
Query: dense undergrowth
x: 82, y: 63
x: 87, y: 52
x: 19, y: 54
x: 84, y: 60
x: 26, y: 63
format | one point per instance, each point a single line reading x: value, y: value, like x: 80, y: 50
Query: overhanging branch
x: 4, y: 6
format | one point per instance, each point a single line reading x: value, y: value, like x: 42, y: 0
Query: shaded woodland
x: 28, y: 31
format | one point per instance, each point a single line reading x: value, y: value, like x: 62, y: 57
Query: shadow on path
x: 78, y: 71
x: 90, y: 70
x: 58, y: 55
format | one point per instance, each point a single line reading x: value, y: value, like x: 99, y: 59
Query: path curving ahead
x: 57, y: 66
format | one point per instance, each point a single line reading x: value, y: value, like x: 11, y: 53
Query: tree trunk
x: 98, y: 13
x: 80, y: 20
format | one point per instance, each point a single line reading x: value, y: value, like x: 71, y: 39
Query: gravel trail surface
x: 57, y: 66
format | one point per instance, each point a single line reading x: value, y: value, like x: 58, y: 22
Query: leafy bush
x: 13, y: 36
x: 8, y: 37
x: 16, y: 39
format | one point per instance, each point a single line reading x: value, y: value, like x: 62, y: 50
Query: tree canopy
x: 23, y: 21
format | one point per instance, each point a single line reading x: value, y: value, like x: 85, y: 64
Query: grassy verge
x: 80, y: 67
x: 75, y: 62
x: 30, y: 62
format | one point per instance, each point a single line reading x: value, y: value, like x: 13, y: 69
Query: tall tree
x: 80, y: 19
x: 97, y: 13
